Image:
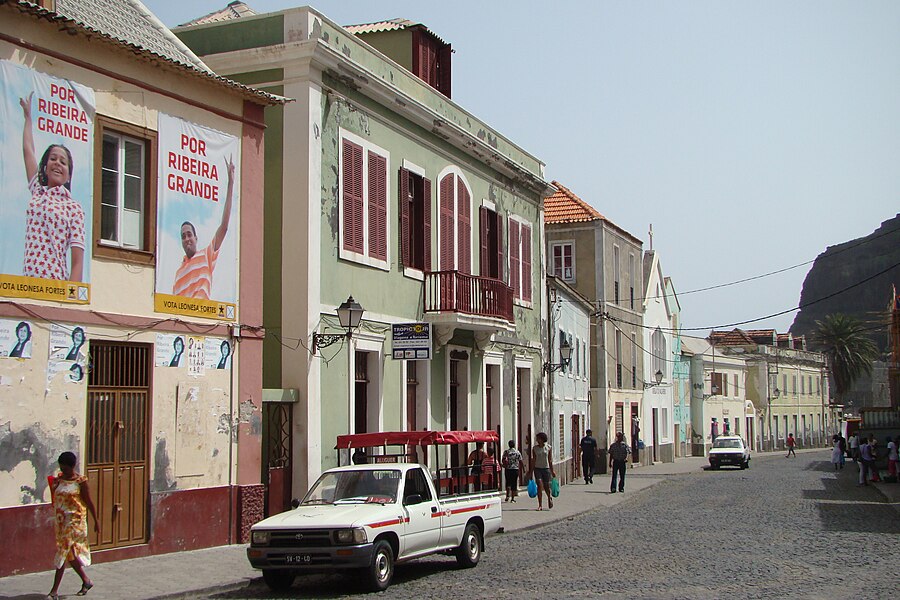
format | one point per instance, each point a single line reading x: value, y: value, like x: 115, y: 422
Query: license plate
x: 298, y: 559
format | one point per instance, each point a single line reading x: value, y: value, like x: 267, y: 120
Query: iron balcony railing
x: 455, y: 292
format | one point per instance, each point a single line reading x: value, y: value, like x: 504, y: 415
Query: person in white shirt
x: 892, y: 456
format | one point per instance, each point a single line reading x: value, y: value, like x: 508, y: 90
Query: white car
x: 729, y: 450
x: 366, y: 518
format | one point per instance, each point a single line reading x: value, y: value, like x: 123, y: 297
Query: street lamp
x: 565, y: 352
x: 349, y: 316
x: 658, y: 377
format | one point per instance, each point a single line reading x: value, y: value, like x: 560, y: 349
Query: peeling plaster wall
x: 189, y: 423
x: 38, y: 421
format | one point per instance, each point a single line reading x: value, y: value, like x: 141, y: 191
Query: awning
x: 414, y: 438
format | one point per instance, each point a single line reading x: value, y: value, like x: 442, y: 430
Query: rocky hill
x: 842, y: 266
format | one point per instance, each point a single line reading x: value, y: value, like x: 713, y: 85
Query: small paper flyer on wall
x: 218, y: 353
x: 15, y: 338
x: 196, y: 362
x: 170, y: 349
x: 68, y: 353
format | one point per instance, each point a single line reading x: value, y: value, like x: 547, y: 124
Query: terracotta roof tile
x: 565, y: 207
x: 735, y: 337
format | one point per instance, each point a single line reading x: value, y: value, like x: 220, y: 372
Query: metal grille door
x: 277, y: 450
x: 118, y: 425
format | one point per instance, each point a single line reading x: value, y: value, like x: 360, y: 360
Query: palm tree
x: 850, y: 353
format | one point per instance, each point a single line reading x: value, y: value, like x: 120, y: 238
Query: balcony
x: 455, y: 300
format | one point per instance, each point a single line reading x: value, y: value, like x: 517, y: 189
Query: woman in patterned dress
x: 71, y: 504
x: 54, y: 228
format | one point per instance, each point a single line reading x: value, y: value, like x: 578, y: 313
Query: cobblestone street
x: 785, y: 527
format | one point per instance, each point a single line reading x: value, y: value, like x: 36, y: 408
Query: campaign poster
x: 218, y: 353
x: 196, y: 363
x: 15, y: 338
x: 170, y: 350
x: 68, y: 353
x: 198, y: 219
x: 46, y: 174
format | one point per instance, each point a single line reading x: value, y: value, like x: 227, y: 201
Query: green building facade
x: 379, y: 187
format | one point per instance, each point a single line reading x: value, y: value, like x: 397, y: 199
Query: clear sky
x: 752, y: 135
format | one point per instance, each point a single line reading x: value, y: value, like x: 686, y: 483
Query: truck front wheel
x: 278, y: 580
x: 469, y: 552
x: 379, y: 573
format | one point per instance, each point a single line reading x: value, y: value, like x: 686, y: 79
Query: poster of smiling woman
x: 198, y: 208
x: 46, y: 174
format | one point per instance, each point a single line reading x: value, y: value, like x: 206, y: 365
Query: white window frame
x: 563, y: 244
x: 120, y: 192
x: 517, y: 299
x: 367, y: 146
x: 420, y: 171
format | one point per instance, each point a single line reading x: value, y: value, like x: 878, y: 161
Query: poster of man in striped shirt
x: 194, y: 276
x: 197, y: 224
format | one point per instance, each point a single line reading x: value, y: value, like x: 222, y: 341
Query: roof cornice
x: 330, y: 60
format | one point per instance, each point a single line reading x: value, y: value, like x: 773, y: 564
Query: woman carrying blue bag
x: 542, y: 470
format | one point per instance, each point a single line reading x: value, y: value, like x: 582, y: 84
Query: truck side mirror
x: 295, y: 503
x: 412, y: 499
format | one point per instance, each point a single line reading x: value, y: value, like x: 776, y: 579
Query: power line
x: 777, y: 314
x: 775, y: 272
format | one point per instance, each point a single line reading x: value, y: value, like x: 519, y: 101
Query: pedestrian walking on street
x: 865, y: 458
x: 542, y: 468
x: 854, y: 447
x: 837, y: 456
x: 873, y: 453
x: 618, y: 462
x: 843, y: 443
x: 791, y: 442
x: 71, y: 504
x: 588, y: 454
x: 892, y: 457
x: 512, y: 462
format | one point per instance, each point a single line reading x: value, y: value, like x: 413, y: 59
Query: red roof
x: 735, y: 337
x: 414, y: 438
x: 565, y: 207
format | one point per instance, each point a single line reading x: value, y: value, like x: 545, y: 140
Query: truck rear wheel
x: 469, y: 552
x: 278, y: 580
x: 380, y: 572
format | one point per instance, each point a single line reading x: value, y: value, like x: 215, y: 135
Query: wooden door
x: 117, y: 445
x: 576, y: 448
x: 277, y: 450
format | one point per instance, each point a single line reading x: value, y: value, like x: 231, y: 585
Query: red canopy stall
x: 455, y: 478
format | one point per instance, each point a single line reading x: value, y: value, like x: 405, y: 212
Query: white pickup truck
x: 368, y: 517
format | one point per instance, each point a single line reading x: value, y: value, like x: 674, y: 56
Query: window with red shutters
x: 526, y: 262
x: 447, y: 218
x: 377, y: 206
x: 514, y: 262
x: 464, y: 227
x: 364, y: 228
x: 415, y: 220
x: 405, y: 201
x: 490, y: 243
x: 352, y: 173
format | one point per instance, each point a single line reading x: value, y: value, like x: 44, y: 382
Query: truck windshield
x: 347, y: 487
